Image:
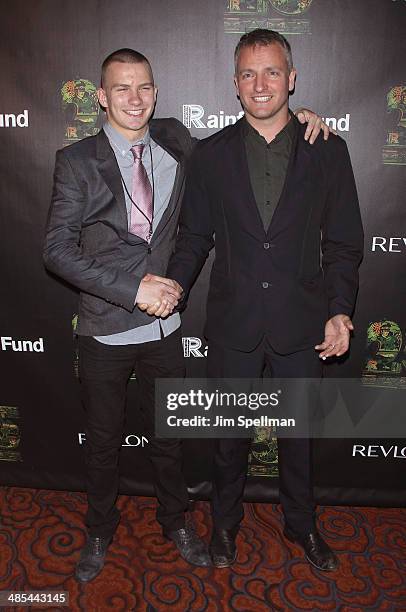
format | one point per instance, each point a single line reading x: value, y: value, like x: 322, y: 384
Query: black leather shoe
x: 91, y: 560
x: 317, y: 551
x: 191, y: 547
x: 222, y: 547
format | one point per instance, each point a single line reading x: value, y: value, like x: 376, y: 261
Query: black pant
x: 231, y: 455
x: 104, y: 373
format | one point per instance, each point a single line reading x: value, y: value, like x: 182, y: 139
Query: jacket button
x: 265, y: 285
x: 266, y: 245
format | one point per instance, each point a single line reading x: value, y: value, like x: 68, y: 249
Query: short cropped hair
x: 126, y: 56
x: 263, y: 38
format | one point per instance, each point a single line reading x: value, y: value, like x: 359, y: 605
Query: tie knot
x: 137, y: 151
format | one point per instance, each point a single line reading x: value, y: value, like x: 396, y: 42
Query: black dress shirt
x: 267, y: 165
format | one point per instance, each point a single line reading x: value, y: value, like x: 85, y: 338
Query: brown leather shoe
x: 317, y: 551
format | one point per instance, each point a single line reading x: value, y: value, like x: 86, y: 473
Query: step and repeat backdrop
x: 350, y: 60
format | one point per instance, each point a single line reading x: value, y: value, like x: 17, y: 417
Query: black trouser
x: 104, y: 373
x: 231, y: 455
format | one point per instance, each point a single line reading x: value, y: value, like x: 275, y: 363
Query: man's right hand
x: 158, y: 295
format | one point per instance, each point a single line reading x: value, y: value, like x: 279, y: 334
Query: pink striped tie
x: 140, y: 222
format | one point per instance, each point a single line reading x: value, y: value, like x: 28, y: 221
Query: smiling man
x: 128, y: 94
x: 264, y: 77
x: 111, y: 229
x: 284, y: 221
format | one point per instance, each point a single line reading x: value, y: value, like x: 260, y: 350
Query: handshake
x: 158, y: 295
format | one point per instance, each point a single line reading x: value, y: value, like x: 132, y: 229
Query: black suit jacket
x: 87, y: 240
x: 286, y: 281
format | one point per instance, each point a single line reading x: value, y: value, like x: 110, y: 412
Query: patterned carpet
x: 42, y: 532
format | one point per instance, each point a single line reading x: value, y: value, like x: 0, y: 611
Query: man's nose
x: 259, y: 83
x: 134, y: 96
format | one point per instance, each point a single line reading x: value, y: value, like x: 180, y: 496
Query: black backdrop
x: 349, y: 57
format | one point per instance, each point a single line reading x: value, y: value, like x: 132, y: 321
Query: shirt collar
x: 123, y: 146
x: 287, y: 132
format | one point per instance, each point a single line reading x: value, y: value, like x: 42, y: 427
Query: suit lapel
x: 288, y: 175
x: 295, y: 175
x: 240, y: 191
x: 110, y: 173
x: 239, y: 186
x: 160, y: 135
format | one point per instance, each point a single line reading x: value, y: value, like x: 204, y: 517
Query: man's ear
x: 236, y: 86
x: 292, y: 79
x: 101, y: 96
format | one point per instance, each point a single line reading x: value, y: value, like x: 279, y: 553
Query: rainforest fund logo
x: 394, y: 151
x: 9, y: 434
x: 284, y: 16
x: 385, y: 363
x: 80, y: 108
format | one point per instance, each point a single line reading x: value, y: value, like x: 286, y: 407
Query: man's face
x: 128, y: 95
x: 263, y: 82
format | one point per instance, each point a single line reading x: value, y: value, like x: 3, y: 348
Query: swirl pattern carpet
x: 42, y: 532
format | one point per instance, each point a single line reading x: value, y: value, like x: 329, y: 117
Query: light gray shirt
x: 161, y: 173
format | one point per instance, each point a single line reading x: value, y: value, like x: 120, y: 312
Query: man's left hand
x: 314, y: 124
x: 336, y: 337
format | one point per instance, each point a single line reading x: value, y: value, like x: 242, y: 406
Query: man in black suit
x: 104, y: 240
x: 284, y: 219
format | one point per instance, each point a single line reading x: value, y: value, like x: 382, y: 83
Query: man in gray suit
x: 105, y: 238
x: 111, y: 230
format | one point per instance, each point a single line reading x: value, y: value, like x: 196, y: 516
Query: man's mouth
x: 262, y: 98
x: 134, y: 113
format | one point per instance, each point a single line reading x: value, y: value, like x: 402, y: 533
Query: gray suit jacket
x: 87, y: 241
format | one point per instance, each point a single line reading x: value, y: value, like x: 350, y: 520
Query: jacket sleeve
x: 342, y: 234
x: 63, y: 254
x: 195, y: 236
